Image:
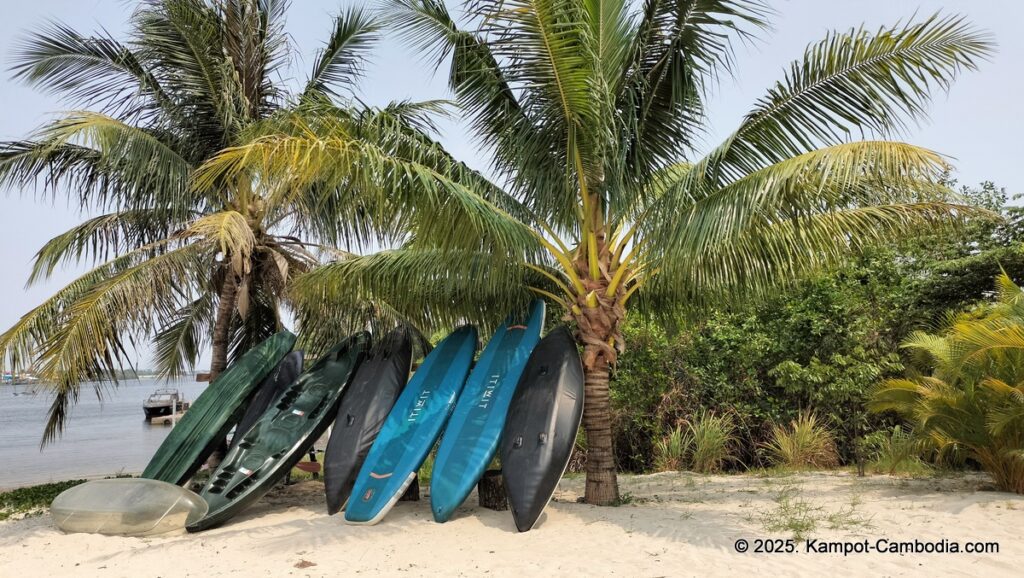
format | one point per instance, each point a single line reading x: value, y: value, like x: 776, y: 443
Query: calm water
x: 100, y: 438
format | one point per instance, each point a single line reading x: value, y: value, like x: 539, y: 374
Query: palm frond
x: 850, y: 85
x: 78, y: 334
x: 428, y: 289
x: 230, y: 232
x: 90, y: 70
x: 100, y: 237
x: 340, y: 62
x: 180, y: 340
x: 678, y: 50
x: 105, y: 161
x: 427, y: 190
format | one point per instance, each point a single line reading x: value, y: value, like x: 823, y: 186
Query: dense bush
x: 820, y: 345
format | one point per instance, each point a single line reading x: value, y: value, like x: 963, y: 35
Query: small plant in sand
x: 897, y: 452
x: 670, y: 451
x: 799, y: 517
x: 792, y: 514
x: 705, y: 444
x: 806, y: 443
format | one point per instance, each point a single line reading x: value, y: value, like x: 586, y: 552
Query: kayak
x: 279, y: 439
x: 212, y: 415
x: 364, y: 407
x: 471, y: 438
x: 412, y: 428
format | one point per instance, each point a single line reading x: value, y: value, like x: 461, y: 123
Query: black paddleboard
x: 541, y: 427
x: 283, y: 375
x: 364, y: 407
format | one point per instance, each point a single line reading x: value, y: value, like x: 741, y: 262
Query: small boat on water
x: 164, y: 402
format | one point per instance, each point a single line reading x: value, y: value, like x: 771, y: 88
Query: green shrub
x: 897, y: 452
x: 711, y: 442
x: 670, y: 451
x: 967, y: 396
x: 806, y: 443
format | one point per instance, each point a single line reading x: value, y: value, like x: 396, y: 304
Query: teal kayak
x: 471, y: 438
x: 411, y: 428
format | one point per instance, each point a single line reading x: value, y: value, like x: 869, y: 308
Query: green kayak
x: 215, y: 412
x: 285, y: 432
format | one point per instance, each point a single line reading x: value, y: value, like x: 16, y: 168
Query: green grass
x: 670, y: 451
x: 712, y: 441
x: 33, y: 498
x: 799, y: 517
x: 705, y: 445
x: 806, y: 443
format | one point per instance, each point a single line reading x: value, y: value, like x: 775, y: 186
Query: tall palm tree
x: 180, y: 265
x: 594, y: 115
x: 967, y: 393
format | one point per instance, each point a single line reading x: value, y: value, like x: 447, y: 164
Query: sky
x: 978, y: 125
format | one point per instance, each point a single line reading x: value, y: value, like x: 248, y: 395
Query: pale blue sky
x: 978, y: 125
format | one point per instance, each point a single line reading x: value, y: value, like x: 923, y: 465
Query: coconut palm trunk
x: 602, y: 483
x: 222, y: 326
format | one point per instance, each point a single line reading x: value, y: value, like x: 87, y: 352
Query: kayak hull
x: 540, y: 432
x: 279, y: 439
x: 212, y: 415
x: 471, y: 439
x: 411, y: 428
x: 126, y: 507
x: 364, y: 407
x: 270, y: 389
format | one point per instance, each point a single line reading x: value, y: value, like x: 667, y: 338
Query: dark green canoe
x: 215, y: 412
x: 279, y: 439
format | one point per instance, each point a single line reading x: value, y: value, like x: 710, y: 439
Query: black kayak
x: 281, y: 377
x: 364, y: 407
x: 282, y: 435
x: 541, y: 427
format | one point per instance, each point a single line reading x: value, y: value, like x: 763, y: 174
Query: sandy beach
x: 674, y: 524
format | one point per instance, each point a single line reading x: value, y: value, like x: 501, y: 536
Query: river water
x: 100, y: 439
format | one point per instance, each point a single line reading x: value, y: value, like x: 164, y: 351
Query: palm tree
x: 968, y: 395
x: 601, y: 201
x: 173, y: 263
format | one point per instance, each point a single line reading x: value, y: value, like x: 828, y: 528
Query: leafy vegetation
x: 30, y: 499
x: 967, y: 393
x: 897, y: 452
x: 823, y: 344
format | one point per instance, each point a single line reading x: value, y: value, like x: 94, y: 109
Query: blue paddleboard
x: 471, y: 439
x: 412, y: 428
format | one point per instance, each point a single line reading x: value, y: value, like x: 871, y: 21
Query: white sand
x: 677, y: 525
